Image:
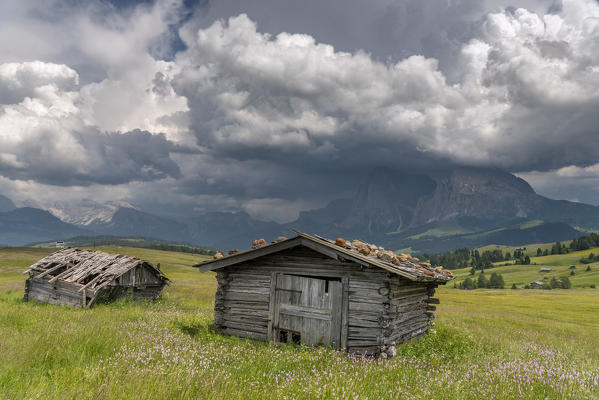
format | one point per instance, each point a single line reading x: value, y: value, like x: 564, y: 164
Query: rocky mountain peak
x: 87, y: 212
x: 477, y: 192
x: 386, y: 200
x: 481, y: 180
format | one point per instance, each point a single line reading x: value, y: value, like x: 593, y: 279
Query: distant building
x: 572, y: 267
x: 60, y: 244
x: 536, y: 284
x: 80, y: 278
x: 545, y: 270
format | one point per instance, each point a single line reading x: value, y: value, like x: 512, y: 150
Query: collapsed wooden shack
x: 348, y: 295
x: 81, y: 278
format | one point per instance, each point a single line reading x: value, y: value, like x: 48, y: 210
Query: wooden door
x: 307, y: 310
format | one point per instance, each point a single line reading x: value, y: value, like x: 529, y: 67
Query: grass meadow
x: 501, y: 344
x: 521, y: 275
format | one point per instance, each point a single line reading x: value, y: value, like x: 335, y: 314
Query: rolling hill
x: 559, y: 264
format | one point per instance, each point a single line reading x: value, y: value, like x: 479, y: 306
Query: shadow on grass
x: 193, y: 327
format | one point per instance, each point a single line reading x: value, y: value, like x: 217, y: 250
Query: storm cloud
x: 530, y: 86
x: 273, y: 108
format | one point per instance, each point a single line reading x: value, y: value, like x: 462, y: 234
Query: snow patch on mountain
x: 87, y: 211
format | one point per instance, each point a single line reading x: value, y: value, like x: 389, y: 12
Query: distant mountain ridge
x: 26, y: 225
x: 462, y: 207
x: 6, y: 204
x: 87, y: 212
x: 126, y: 221
x: 497, y: 196
x: 481, y: 206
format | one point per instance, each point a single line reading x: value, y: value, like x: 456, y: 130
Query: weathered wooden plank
x: 257, y: 291
x: 255, y: 305
x: 355, y: 315
x: 253, y: 313
x: 336, y: 298
x: 245, y: 326
x: 374, y: 284
x: 407, y: 316
x: 49, y: 271
x: 356, y: 322
x: 368, y: 299
x: 246, y: 334
x: 358, y: 306
x: 409, y: 300
x: 364, y: 332
x: 344, y: 311
x: 305, y: 312
x: 244, y: 296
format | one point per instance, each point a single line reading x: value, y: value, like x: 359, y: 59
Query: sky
x: 278, y: 106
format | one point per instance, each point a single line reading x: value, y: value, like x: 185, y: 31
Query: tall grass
x: 494, y: 345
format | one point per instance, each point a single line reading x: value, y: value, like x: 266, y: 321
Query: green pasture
x: 531, y: 249
x: 500, y: 344
x: 559, y: 264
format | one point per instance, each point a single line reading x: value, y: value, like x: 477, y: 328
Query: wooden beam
x: 248, y: 255
x: 46, y: 272
x: 271, y: 305
x: 88, y: 284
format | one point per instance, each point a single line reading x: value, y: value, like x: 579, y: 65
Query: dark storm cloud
x: 524, y: 100
x: 104, y: 158
x: 295, y: 102
x: 385, y: 29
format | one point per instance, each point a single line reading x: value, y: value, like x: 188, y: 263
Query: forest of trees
x: 585, y: 242
x: 494, y: 282
x: 182, y: 249
x: 463, y: 258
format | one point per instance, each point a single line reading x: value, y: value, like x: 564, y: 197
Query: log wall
x: 140, y: 282
x: 58, y: 292
x: 382, y: 309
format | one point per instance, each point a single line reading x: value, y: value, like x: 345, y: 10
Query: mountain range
x: 465, y: 207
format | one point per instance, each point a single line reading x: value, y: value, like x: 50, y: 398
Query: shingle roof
x: 81, y: 265
x: 409, y: 267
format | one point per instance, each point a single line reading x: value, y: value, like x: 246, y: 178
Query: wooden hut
x: 81, y: 277
x: 348, y: 295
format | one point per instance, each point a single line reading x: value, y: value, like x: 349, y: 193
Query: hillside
x: 559, y: 264
x: 463, y: 207
x: 427, y: 212
x: 446, y: 236
x: 26, y: 225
